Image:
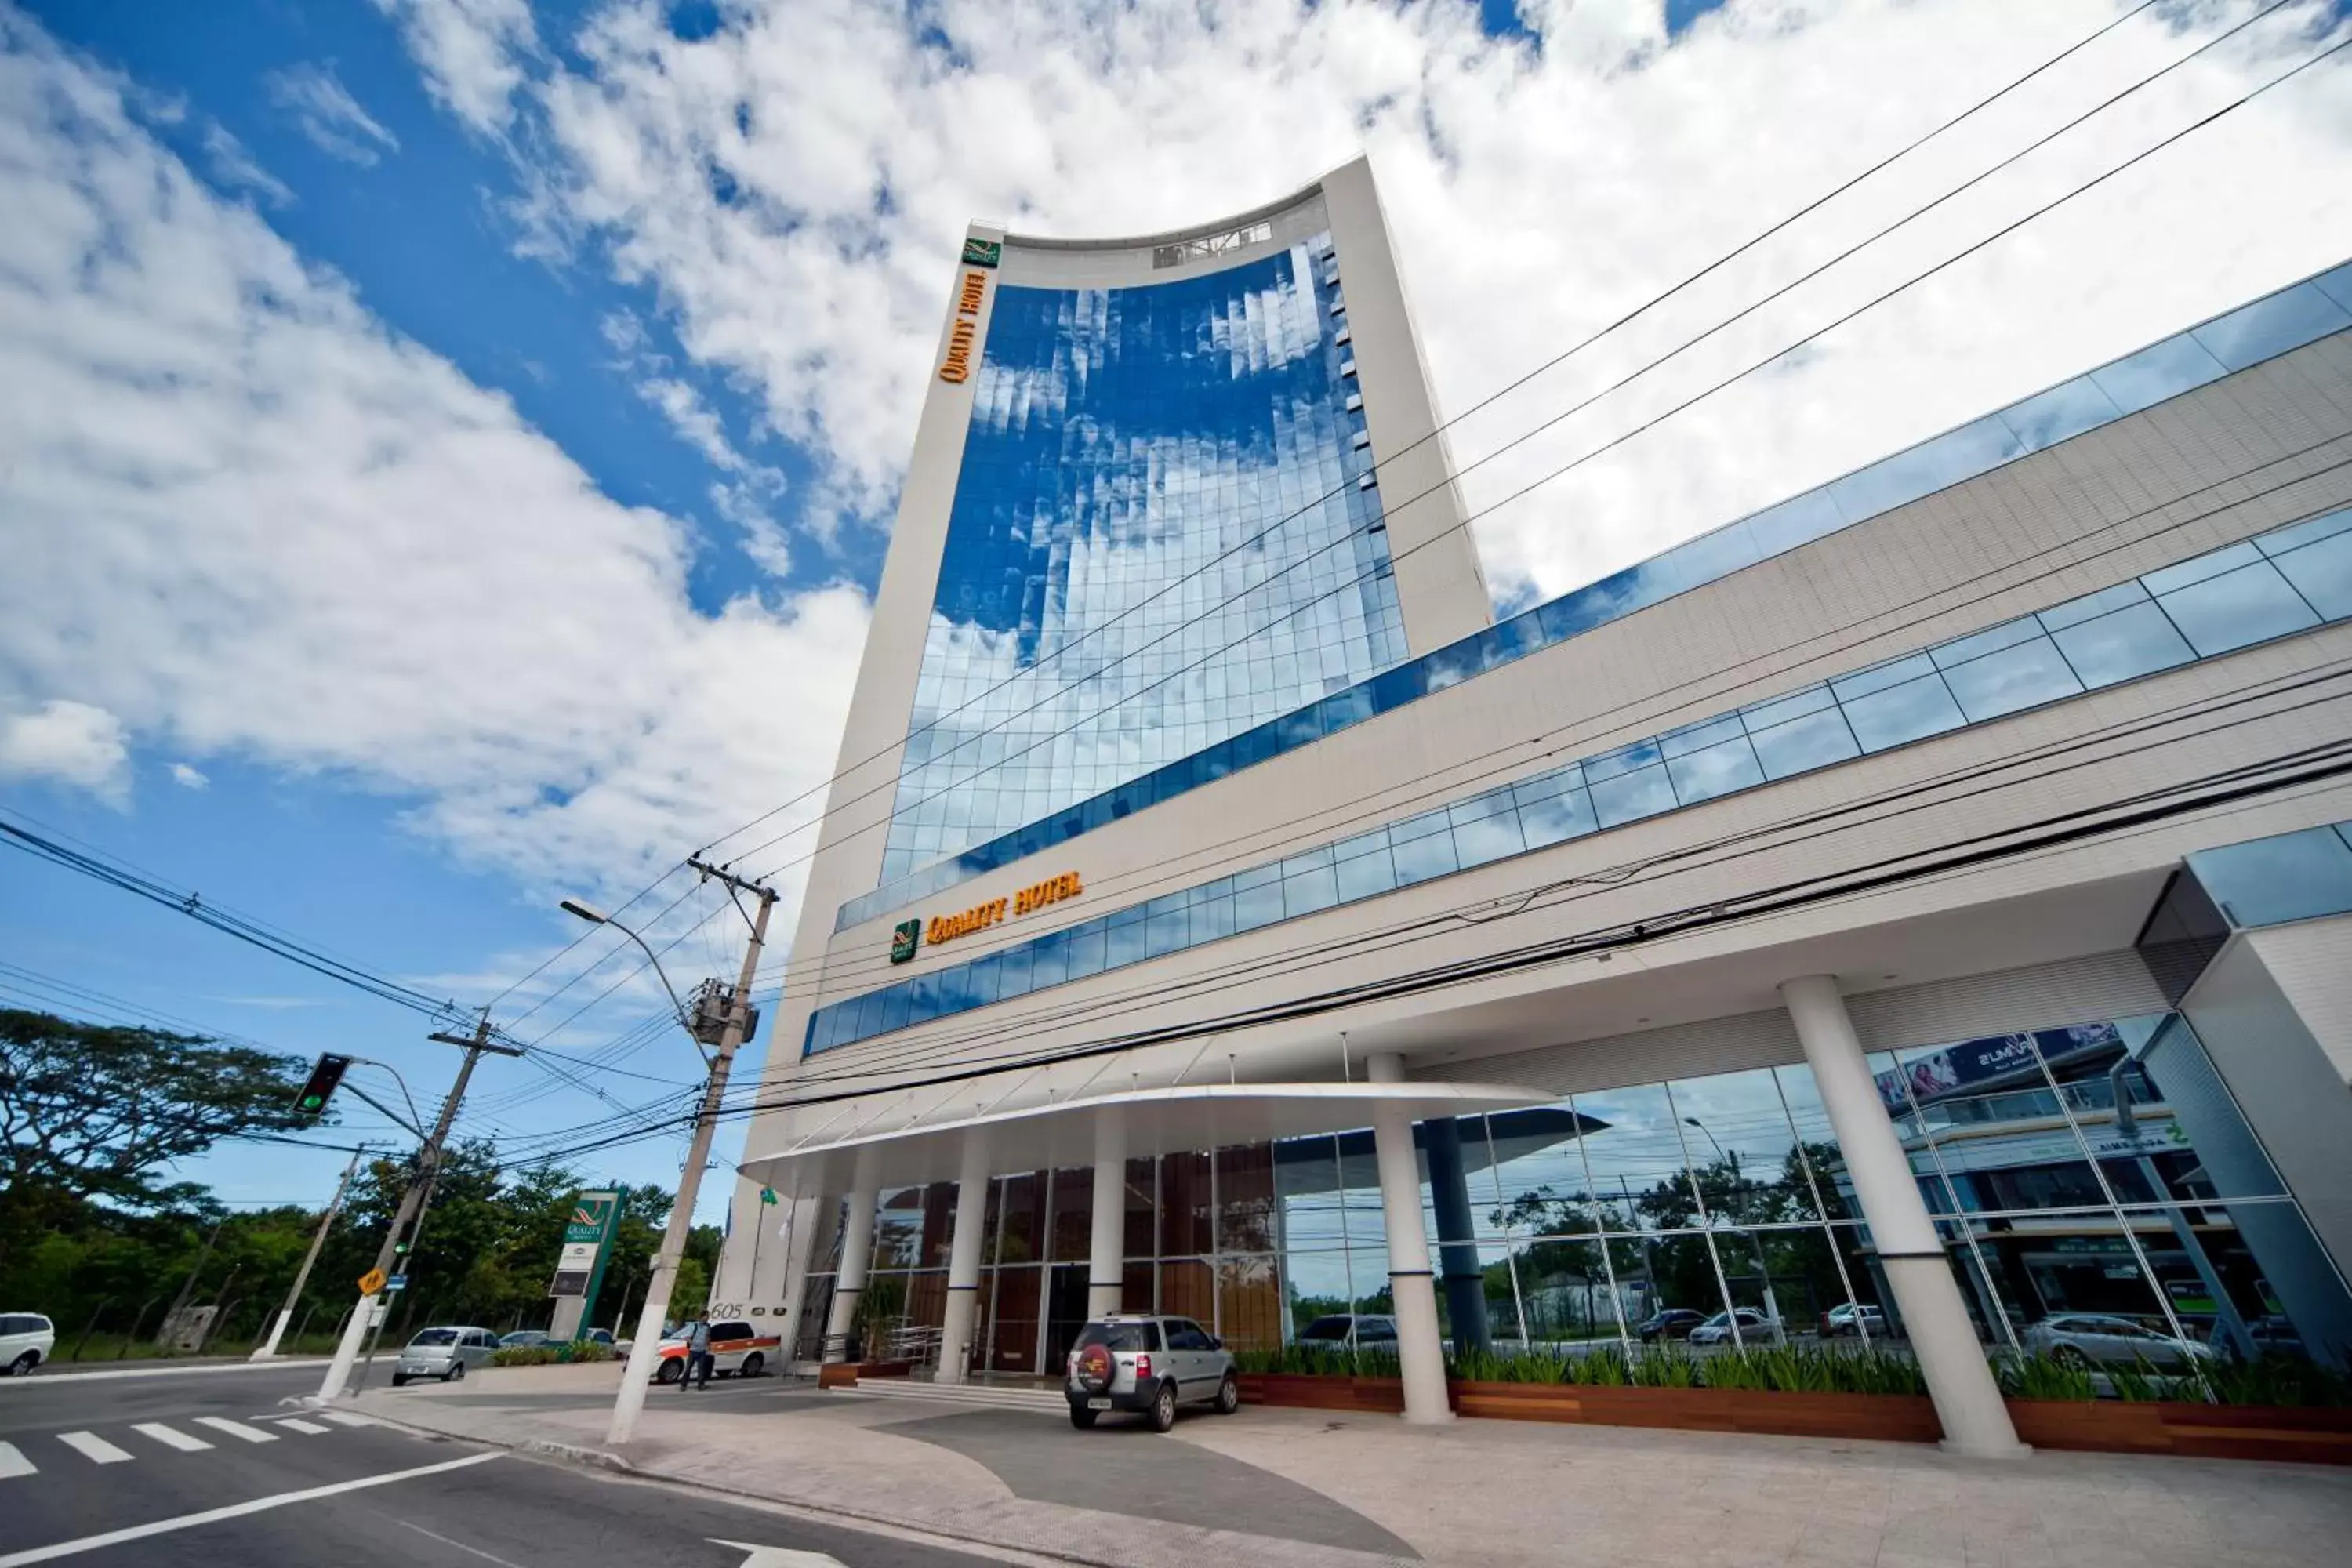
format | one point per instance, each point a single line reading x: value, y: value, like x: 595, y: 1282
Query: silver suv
x: 1148, y: 1365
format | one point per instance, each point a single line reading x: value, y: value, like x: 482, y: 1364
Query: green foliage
x: 93, y: 1113
x: 2279, y: 1380
x: 1319, y: 1360
x: 1664, y: 1367
x: 2038, y: 1376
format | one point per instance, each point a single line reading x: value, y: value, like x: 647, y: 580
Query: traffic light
x: 324, y: 1079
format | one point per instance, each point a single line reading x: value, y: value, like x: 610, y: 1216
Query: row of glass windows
x: 2284, y: 582
x: 2287, y: 320
x: 2098, y: 1169
x: 1122, y: 442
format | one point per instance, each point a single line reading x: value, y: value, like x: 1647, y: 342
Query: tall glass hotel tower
x: 1917, y: 915
x: 1143, y: 519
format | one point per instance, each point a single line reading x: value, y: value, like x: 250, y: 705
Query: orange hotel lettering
x: 980, y: 917
x: 957, y: 366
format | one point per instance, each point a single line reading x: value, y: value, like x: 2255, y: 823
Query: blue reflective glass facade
x: 2269, y: 326
x: 1157, y: 539
x: 2225, y: 599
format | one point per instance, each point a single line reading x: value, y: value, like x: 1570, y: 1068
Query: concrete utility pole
x: 645, y: 1352
x: 303, y: 1275
x: 412, y: 1202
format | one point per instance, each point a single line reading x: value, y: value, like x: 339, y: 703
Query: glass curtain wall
x: 2102, y: 1199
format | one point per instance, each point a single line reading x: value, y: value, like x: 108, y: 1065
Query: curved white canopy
x: 1166, y: 1121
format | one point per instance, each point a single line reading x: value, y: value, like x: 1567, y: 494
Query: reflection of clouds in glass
x: 1123, y: 441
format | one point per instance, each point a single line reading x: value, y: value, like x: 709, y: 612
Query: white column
x: 856, y: 1249
x: 1959, y: 1380
x: 1420, y: 1347
x: 1107, y: 1263
x: 963, y: 1259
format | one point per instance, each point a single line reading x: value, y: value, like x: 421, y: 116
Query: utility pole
x: 412, y: 1202
x: 303, y: 1275
x: 644, y: 1353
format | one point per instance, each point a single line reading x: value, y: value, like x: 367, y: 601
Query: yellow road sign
x: 372, y: 1281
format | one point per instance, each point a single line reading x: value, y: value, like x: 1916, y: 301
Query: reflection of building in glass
x: 1910, y: 917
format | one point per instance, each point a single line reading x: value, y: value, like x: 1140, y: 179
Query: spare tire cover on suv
x: 1096, y: 1368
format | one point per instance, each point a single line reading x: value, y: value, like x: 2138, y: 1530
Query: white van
x: 25, y: 1341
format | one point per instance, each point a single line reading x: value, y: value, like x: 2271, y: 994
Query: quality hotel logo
x: 906, y: 936
x: 957, y: 366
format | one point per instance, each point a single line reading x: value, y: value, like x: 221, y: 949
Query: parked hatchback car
x: 1364, y: 1328
x: 1717, y: 1331
x: 1148, y: 1365
x: 2096, y: 1339
x: 1669, y: 1323
x: 444, y: 1351
x: 1853, y: 1318
x: 25, y: 1341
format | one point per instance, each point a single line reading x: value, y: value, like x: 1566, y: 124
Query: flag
x: 767, y: 1194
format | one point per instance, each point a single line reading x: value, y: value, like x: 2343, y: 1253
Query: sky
x: 447, y: 447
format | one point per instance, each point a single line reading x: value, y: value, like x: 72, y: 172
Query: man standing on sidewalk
x: 697, y: 1357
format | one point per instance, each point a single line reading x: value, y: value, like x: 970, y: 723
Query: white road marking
x: 412, y: 1524
x: 234, y: 1511
x: 236, y: 1428
x: 170, y: 1436
x: 93, y: 1448
x: 345, y: 1418
x: 13, y: 1463
x: 295, y: 1424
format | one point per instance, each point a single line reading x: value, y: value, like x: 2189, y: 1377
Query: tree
x: 92, y: 1112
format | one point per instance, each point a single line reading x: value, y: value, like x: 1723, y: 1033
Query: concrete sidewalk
x: 1312, y: 1490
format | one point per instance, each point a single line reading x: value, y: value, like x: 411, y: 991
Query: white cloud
x: 325, y: 111
x: 242, y: 518
x: 187, y: 778
x: 794, y: 186
x: 69, y: 742
x: 233, y: 165
x: 468, y: 50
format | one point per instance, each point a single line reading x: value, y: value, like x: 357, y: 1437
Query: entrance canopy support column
x: 1107, y: 1263
x: 1961, y: 1382
x: 964, y: 1259
x: 1421, y: 1349
x: 856, y: 1250
x: 1457, y: 1234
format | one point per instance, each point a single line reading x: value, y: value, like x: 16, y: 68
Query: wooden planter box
x: 1887, y: 1417
x: 1304, y: 1391
x: 843, y: 1373
x: 2190, y: 1431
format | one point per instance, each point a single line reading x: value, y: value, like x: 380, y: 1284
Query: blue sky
x: 445, y: 450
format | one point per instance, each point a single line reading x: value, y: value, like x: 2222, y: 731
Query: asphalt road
x: 209, y: 1468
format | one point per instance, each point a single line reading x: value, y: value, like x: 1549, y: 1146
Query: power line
x: 1614, y: 442
x: 1518, y: 753
x: 2056, y: 832
x: 1488, y: 401
x: 113, y: 874
x: 2038, y: 755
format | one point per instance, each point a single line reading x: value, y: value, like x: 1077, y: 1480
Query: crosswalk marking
x: 170, y: 1436
x: 295, y: 1424
x: 236, y: 1428
x: 93, y: 1448
x: 347, y: 1418
x: 13, y: 1463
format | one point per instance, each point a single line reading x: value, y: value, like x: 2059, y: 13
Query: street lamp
x: 1711, y: 1138
x: 631, y: 1400
x: 596, y: 916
